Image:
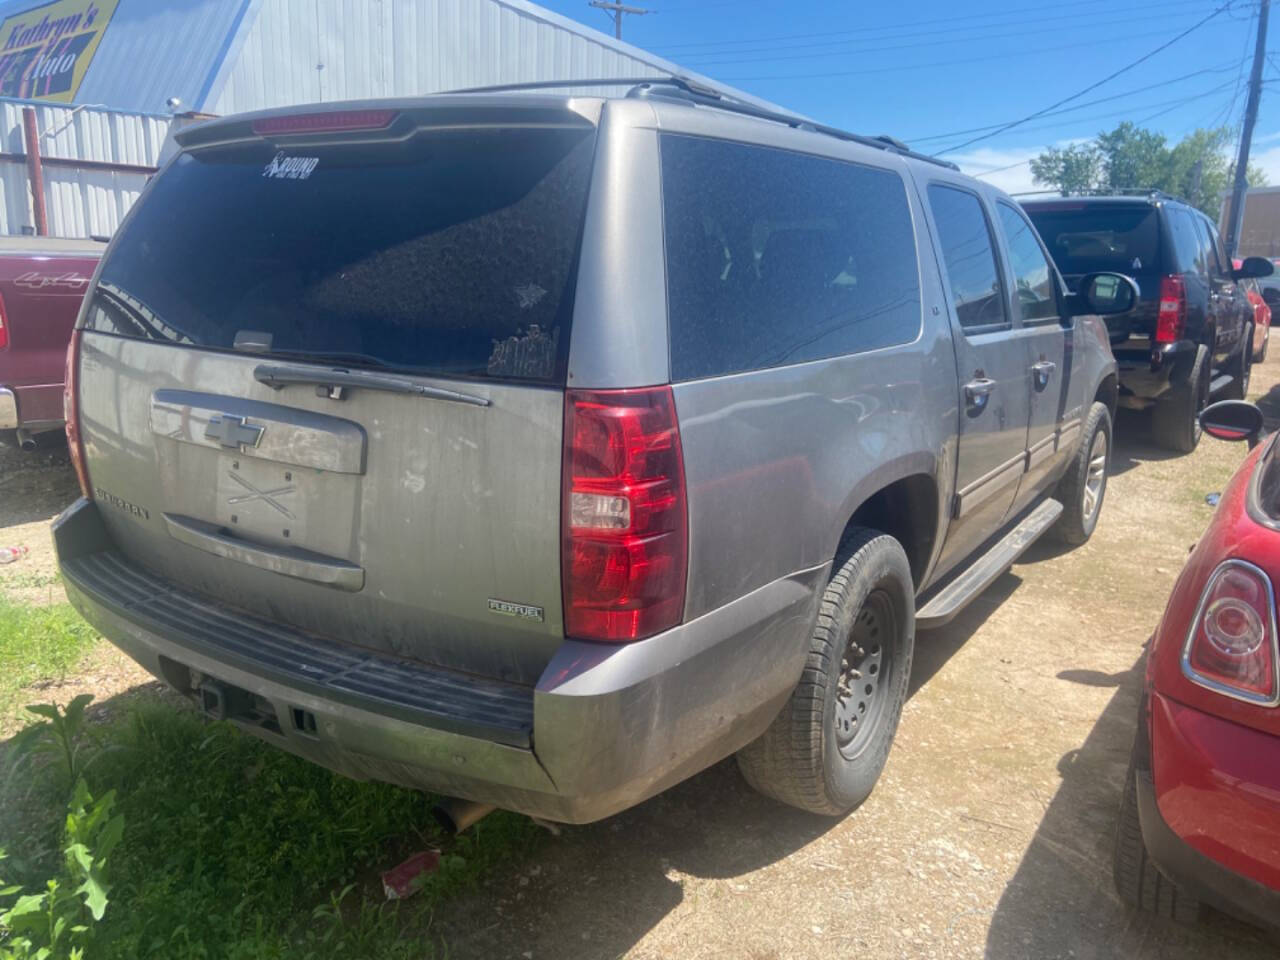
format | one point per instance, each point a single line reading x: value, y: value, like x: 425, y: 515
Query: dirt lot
x: 989, y: 836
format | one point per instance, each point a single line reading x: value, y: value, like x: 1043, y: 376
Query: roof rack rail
x: 1153, y: 193
x: 691, y: 91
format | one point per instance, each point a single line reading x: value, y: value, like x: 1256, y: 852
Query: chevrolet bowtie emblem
x: 232, y: 432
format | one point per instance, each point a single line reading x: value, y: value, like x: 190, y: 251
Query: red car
x: 1200, y: 818
x: 1261, y: 316
x: 42, y: 281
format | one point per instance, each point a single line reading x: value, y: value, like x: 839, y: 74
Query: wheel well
x: 1109, y: 393
x: 906, y: 510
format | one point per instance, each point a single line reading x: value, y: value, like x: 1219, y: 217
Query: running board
x: 1220, y: 382
x: 984, y: 571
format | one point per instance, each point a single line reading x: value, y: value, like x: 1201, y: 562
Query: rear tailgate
x: 41, y: 287
x: 1089, y: 236
x: 322, y: 382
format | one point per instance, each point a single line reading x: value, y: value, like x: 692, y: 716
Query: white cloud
x: 1008, y: 168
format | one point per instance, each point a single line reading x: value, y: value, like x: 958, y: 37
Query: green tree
x: 1071, y: 169
x: 1198, y: 167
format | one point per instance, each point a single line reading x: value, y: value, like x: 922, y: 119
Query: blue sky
x: 956, y: 66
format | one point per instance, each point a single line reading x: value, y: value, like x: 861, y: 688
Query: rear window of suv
x: 1100, y: 236
x: 452, y: 253
x: 776, y: 257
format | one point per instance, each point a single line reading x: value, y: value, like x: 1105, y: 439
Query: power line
x: 750, y: 55
x: 929, y: 64
x: 1081, y: 106
x: 1167, y: 106
x: 1093, y: 86
x: 1055, y: 7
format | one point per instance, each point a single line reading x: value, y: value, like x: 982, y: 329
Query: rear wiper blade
x: 279, y: 376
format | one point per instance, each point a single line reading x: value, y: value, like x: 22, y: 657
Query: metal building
x: 107, y: 76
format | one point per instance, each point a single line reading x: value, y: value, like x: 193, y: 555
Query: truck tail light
x: 4, y: 325
x: 624, y: 557
x: 71, y: 413
x: 1171, y: 320
x: 1231, y: 647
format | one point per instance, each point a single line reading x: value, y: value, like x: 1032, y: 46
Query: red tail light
x: 4, y: 325
x: 334, y: 120
x: 1232, y: 644
x: 625, y: 553
x: 71, y: 413
x: 1172, y: 318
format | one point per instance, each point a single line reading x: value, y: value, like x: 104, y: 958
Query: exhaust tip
x: 26, y: 441
x: 455, y: 815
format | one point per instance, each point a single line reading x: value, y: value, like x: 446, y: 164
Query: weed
x: 36, y: 644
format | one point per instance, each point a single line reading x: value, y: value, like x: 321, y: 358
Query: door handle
x: 977, y: 392
x: 1042, y: 372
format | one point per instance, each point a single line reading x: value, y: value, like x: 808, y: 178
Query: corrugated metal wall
x: 78, y: 202
x: 304, y: 51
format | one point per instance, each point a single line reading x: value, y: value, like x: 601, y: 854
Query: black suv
x: 1190, y: 336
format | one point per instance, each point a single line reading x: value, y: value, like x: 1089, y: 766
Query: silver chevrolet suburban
x: 544, y: 450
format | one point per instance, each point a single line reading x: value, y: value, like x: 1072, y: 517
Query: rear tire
x: 1084, y: 486
x: 1175, y: 421
x: 824, y: 752
x: 1138, y: 881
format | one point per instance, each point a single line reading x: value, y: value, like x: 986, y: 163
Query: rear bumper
x: 1148, y: 372
x: 605, y: 728
x: 1210, y: 809
x: 35, y: 408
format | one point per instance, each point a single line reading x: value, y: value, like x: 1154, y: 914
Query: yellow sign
x: 45, y: 51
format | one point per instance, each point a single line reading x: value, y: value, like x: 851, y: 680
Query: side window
x: 1224, y: 262
x: 1207, y: 246
x: 1186, y: 244
x: 776, y: 257
x: 967, y: 251
x: 1033, y: 279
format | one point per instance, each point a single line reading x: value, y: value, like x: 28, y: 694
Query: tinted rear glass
x: 1107, y: 236
x: 453, y: 253
x: 776, y: 257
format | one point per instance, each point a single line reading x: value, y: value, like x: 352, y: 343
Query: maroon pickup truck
x: 42, y: 281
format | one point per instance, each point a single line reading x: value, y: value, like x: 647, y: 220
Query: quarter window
x: 776, y: 257
x: 1033, y: 279
x: 969, y: 254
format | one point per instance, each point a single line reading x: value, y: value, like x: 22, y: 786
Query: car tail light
x: 1231, y: 647
x: 625, y: 553
x: 335, y: 120
x: 71, y: 413
x: 4, y: 325
x: 1171, y: 321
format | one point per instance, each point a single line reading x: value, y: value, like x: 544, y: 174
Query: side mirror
x: 1254, y: 267
x: 1232, y: 420
x: 1105, y: 294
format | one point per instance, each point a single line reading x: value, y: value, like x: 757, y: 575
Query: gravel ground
x: 989, y: 836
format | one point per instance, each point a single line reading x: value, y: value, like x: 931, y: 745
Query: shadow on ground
x: 1060, y: 902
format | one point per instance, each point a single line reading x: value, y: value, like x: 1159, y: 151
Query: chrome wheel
x: 1095, y: 480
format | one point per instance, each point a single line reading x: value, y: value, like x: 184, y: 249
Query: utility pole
x: 616, y: 10
x: 1236, y: 220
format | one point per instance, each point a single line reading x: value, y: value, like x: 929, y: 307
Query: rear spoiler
x: 388, y: 120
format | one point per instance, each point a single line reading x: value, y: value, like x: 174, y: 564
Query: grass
x: 232, y: 849
x: 37, y: 643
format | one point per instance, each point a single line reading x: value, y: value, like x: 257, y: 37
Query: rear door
x: 322, y: 380
x: 1047, y: 336
x: 992, y: 367
x: 1228, y: 306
